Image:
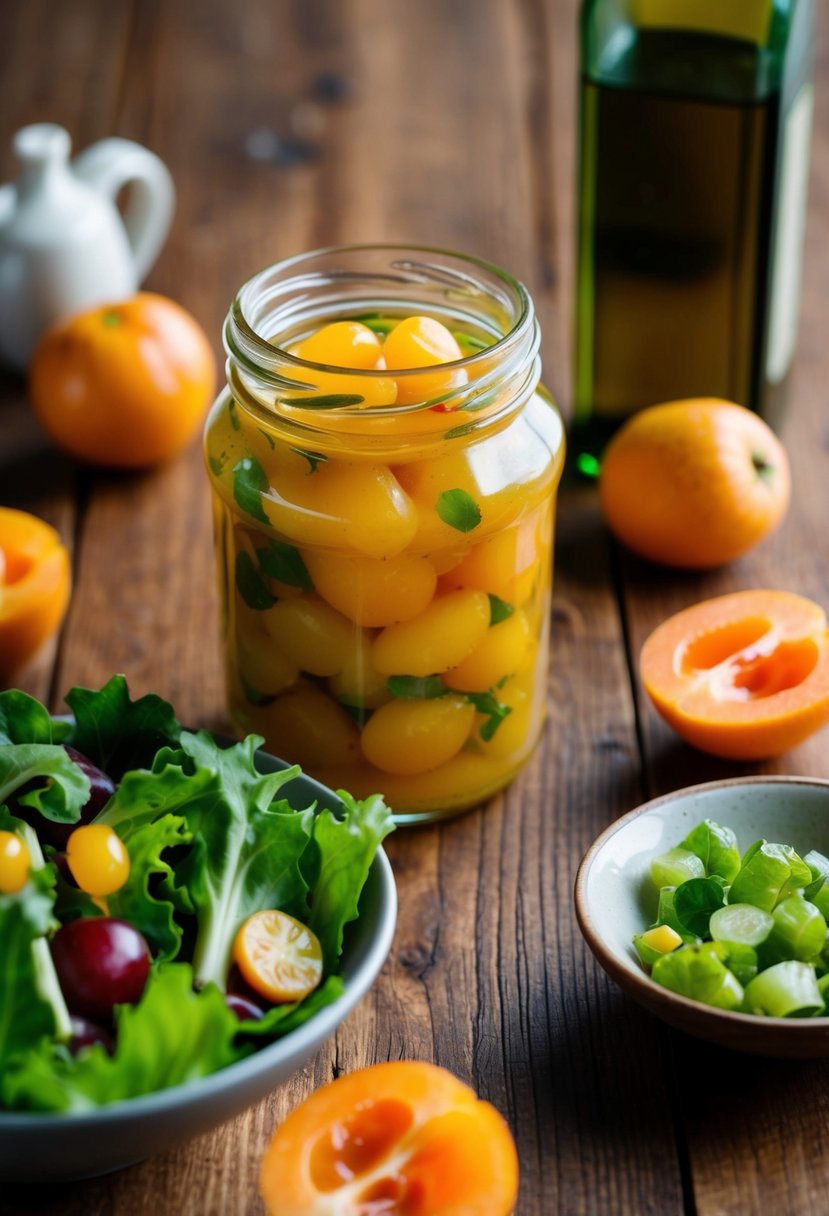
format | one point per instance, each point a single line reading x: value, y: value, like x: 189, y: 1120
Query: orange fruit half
x: 35, y: 585
x: 745, y: 676
x: 401, y: 1139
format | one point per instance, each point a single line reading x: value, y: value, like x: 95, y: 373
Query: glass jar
x: 384, y: 541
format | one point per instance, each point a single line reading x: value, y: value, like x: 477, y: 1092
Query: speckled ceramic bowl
x: 613, y: 897
x: 58, y: 1147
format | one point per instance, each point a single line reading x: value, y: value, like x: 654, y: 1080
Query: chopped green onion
x: 675, y: 867
x: 741, y: 923
x: 785, y: 990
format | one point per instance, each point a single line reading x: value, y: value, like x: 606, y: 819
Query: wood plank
x: 66, y: 71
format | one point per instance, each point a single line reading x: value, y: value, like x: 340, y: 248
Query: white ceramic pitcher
x: 64, y: 244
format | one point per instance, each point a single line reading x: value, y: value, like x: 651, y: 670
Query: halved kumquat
x: 402, y: 1139
x: 278, y: 956
x: 745, y: 676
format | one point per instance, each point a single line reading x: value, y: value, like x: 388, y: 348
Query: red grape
x: 245, y: 1010
x: 102, y: 787
x: 101, y: 790
x: 101, y: 962
x: 86, y: 1034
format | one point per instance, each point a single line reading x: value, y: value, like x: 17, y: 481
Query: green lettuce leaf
x: 23, y: 719
x: 64, y: 788
x: 336, y: 868
x: 174, y: 1034
x: 116, y: 733
x: 134, y: 902
x: 281, y: 1019
x: 27, y: 1010
x: 246, y: 851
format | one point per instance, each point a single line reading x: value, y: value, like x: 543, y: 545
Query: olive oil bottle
x: 695, y: 119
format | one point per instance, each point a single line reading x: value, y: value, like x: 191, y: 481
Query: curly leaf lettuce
x: 64, y: 788
x: 338, y: 866
x: 174, y: 1034
x: 117, y: 733
x: 246, y: 850
x: 23, y: 719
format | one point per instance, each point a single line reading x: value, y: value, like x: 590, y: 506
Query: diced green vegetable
x: 675, y: 867
x: 759, y: 945
x: 819, y: 869
x: 785, y: 990
x: 666, y: 915
x: 798, y: 931
x: 716, y: 848
x: 699, y: 972
x: 741, y: 923
x: 769, y: 873
x: 742, y: 961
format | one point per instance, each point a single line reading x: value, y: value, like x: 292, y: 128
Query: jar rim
x: 263, y: 357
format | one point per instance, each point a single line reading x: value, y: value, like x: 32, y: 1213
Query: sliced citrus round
x: 278, y: 956
x: 406, y: 1138
x: 745, y: 676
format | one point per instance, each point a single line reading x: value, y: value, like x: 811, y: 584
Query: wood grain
x: 307, y: 123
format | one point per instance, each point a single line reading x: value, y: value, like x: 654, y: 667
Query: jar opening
x: 380, y: 285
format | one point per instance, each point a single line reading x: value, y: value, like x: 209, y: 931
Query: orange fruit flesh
x: 404, y: 1138
x: 278, y: 956
x: 35, y: 584
x: 744, y: 676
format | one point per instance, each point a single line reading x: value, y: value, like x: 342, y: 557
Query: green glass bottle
x: 695, y: 123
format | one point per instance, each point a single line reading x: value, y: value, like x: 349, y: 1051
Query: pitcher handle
x: 113, y: 163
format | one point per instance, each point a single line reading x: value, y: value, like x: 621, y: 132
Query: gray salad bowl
x: 47, y: 1147
x: 615, y: 899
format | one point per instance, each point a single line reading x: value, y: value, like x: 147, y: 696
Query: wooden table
x: 293, y: 125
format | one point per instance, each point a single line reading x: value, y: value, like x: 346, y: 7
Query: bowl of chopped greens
x: 709, y: 906
x: 184, y: 920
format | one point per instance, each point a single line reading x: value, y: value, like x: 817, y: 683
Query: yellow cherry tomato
x: 278, y: 956
x: 441, y: 637
x: 311, y: 634
x: 371, y: 591
x: 346, y: 344
x: 342, y: 344
x: 497, y: 655
x: 306, y: 726
x: 15, y: 863
x: 342, y: 504
x: 506, y: 564
x: 412, y: 736
x: 98, y: 859
x: 359, y: 684
x: 423, y: 342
